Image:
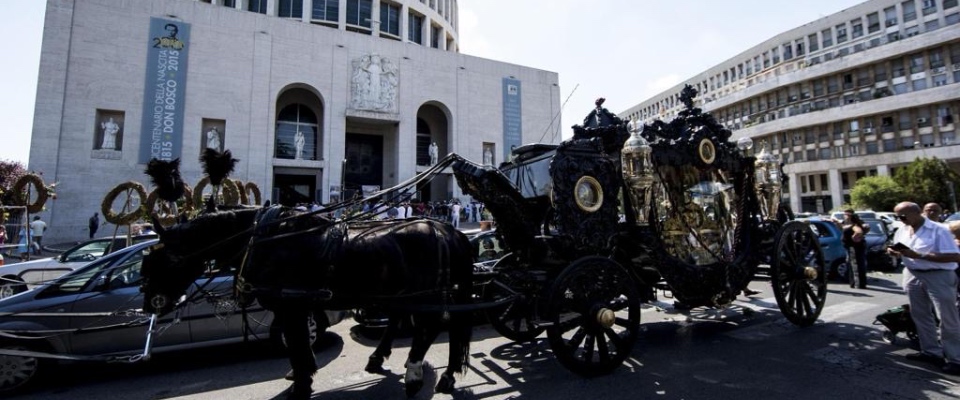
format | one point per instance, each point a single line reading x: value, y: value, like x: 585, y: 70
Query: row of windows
x: 359, y: 16
x: 823, y: 41
x: 910, y: 73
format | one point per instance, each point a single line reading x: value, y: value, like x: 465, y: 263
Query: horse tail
x: 461, y: 323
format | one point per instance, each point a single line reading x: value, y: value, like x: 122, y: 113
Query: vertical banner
x: 512, y: 127
x: 161, y: 129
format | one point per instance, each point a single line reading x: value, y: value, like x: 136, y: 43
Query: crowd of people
x: 452, y: 211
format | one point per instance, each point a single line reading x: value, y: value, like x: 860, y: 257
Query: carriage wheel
x: 798, y: 275
x: 594, y: 316
x: 515, y: 320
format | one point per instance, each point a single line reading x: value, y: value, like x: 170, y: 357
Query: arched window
x: 297, y: 130
x: 423, y: 142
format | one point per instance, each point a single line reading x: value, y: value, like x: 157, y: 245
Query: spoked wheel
x: 594, y: 316
x: 798, y: 275
x: 514, y: 320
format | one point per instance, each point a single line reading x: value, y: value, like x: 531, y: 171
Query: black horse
x: 298, y: 262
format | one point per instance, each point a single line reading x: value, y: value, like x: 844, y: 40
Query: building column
x: 836, y: 187
x: 272, y: 8
x: 342, y: 16
x: 883, y: 170
x: 794, y: 183
x: 404, y: 21
x: 375, y: 19
x: 307, y: 14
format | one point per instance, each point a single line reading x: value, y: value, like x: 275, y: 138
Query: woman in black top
x: 854, y: 241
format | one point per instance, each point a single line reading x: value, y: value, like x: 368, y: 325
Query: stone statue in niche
x: 374, y: 84
x: 110, y: 130
x: 298, y: 143
x: 434, y: 152
x: 213, y: 139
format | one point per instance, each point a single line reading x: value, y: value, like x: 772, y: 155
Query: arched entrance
x: 433, y: 127
x: 297, y: 170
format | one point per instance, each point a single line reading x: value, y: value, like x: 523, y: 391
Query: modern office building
x: 310, y: 95
x: 853, y: 94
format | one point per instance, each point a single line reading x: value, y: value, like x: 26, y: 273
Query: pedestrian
x: 94, y: 224
x: 37, y: 229
x: 468, y: 210
x: 3, y: 238
x: 933, y: 212
x: 455, y: 214
x: 853, y: 239
x: 23, y: 244
x: 930, y: 256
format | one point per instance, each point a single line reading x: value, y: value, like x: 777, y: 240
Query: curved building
x: 853, y: 94
x: 318, y: 99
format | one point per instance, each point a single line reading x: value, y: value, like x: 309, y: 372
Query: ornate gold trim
x: 707, y: 151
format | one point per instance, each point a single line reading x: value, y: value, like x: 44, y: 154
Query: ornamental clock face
x: 588, y: 194
x: 708, y: 152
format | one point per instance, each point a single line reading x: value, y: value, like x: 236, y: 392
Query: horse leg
x: 296, y: 331
x: 424, y: 333
x: 375, y: 362
x: 460, y: 332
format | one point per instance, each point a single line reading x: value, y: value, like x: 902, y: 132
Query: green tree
x: 879, y: 193
x: 928, y: 180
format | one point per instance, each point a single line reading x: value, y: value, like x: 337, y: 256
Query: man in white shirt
x: 455, y: 214
x: 37, y: 228
x: 930, y: 256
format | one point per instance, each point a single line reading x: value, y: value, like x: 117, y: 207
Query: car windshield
x: 86, y: 252
x: 123, y: 266
x: 876, y: 228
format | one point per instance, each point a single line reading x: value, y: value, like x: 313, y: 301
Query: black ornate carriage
x: 597, y: 224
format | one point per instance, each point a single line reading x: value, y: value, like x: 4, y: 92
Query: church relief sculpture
x: 374, y: 84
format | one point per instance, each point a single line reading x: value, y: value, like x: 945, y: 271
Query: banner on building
x: 161, y: 129
x: 512, y: 116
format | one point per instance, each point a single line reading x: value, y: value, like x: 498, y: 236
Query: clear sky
x: 623, y: 50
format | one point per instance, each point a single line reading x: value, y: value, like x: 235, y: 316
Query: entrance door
x: 295, y: 189
x: 364, y: 155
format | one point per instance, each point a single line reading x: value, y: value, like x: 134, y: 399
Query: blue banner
x: 512, y: 116
x: 161, y: 129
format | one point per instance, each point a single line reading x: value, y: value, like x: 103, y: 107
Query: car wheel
x: 17, y: 372
x: 11, y: 286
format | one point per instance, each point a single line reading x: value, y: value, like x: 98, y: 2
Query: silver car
x: 92, y: 314
x: 18, y: 277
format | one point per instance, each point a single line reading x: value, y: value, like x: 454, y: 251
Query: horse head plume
x: 217, y: 165
x: 165, y: 175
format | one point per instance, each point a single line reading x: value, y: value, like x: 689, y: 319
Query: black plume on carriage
x: 165, y: 175
x: 217, y: 165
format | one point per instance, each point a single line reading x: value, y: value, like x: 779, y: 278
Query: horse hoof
x: 446, y: 384
x: 375, y: 365
x: 413, y: 387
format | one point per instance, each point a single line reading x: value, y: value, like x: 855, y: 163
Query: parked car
x: 16, y: 278
x: 877, y: 239
x: 838, y: 215
x: 94, y: 313
x: 834, y: 255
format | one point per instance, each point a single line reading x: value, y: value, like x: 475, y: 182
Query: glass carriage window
x: 390, y: 18
x: 359, y: 12
x: 290, y: 9
x: 297, y: 131
x: 257, y: 6
x: 326, y: 10
x: 415, y: 28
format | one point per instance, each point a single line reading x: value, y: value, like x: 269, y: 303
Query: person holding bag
x: 854, y: 232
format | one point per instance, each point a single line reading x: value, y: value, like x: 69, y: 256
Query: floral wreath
x: 130, y: 217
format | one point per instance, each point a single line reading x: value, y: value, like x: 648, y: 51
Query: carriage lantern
x: 768, y: 188
x: 638, y: 171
